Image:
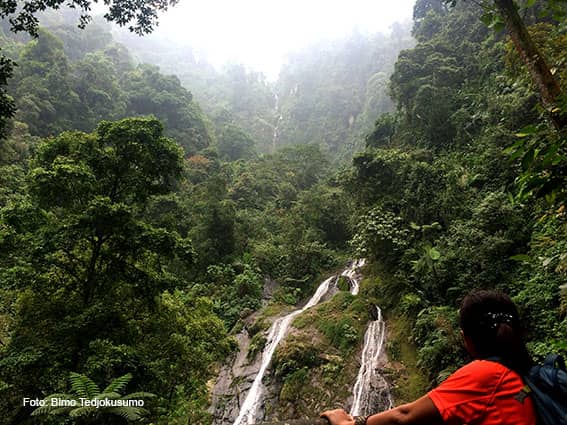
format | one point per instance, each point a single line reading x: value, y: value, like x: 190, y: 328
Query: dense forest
x: 148, y: 200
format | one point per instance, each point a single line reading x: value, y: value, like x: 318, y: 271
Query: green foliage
x: 257, y: 345
x: 343, y: 284
x: 121, y: 254
x: 151, y: 93
x: 293, y: 357
x: 90, y: 259
x: 83, y: 387
x: 238, y: 289
x: 452, y: 184
x: 342, y: 335
x: 43, y: 87
x: 336, y: 108
x: 54, y: 94
x: 233, y: 144
x: 437, y: 335
x: 380, y: 235
x: 293, y: 383
x: 24, y: 17
x: 543, y: 157
x: 287, y: 295
x: 7, y: 106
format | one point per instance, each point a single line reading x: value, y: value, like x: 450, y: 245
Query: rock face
x: 233, y: 382
x: 371, y: 391
x: 238, y: 375
x: 246, y: 391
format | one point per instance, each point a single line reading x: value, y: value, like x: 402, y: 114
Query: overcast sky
x: 259, y: 33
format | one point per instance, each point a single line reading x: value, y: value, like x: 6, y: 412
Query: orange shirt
x: 482, y: 393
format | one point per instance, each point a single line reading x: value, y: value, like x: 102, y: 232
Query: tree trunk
x: 540, y: 73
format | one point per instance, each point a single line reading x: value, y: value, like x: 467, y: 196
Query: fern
x: 82, y: 411
x: 83, y: 386
x: 44, y: 410
x: 118, y: 384
x: 110, y: 396
x: 61, y: 410
x: 138, y: 395
x: 54, y: 410
x: 128, y: 413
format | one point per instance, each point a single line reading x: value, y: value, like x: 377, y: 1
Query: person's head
x: 491, y: 327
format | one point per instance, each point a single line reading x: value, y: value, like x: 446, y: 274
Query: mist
x: 261, y: 34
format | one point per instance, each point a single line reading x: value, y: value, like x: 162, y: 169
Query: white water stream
x: 367, y: 382
x: 371, y: 389
x: 278, y: 121
x: 351, y: 274
x: 249, y: 408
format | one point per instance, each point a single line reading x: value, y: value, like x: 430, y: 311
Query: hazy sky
x: 259, y: 33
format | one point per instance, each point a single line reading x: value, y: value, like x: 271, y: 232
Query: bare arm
x: 421, y: 411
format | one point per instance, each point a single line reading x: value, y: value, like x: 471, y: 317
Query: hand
x: 338, y: 417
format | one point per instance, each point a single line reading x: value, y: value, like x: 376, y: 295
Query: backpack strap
x: 554, y: 360
x: 524, y: 393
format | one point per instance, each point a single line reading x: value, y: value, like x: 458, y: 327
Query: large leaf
x: 83, y: 385
x: 118, y: 384
x: 434, y: 254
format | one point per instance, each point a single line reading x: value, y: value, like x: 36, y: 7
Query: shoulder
x: 468, y: 393
x: 478, y: 376
x: 483, y: 370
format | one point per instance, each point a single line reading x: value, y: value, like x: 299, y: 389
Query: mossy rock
x: 343, y: 283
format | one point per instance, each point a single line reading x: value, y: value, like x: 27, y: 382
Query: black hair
x: 491, y: 320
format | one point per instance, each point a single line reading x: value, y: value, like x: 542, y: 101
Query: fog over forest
x: 221, y: 218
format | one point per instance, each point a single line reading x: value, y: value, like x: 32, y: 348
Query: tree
x: 89, y: 268
x: 541, y: 74
x: 234, y: 143
x: 7, y: 105
x: 23, y: 15
x: 99, y: 92
x: 45, y: 99
x: 149, y: 92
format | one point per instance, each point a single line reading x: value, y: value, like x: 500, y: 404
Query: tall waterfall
x: 371, y: 391
x: 249, y: 408
x: 279, y: 118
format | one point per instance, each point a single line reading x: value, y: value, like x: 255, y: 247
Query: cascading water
x: 277, y: 124
x: 249, y: 409
x: 371, y: 391
x: 351, y: 274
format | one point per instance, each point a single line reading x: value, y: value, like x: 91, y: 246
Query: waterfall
x: 277, y: 124
x: 249, y: 408
x: 371, y: 391
x: 352, y: 274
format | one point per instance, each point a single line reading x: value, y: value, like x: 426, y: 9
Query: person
x: 486, y: 391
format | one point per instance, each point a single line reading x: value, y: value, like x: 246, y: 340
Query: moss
x: 296, y: 353
x: 317, y: 363
x: 343, y: 283
x: 259, y: 325
x: 274, y: 309
x: 257, y: 344
x: 407, y: 380
x: 293, y: 385
x: 332, y: 370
